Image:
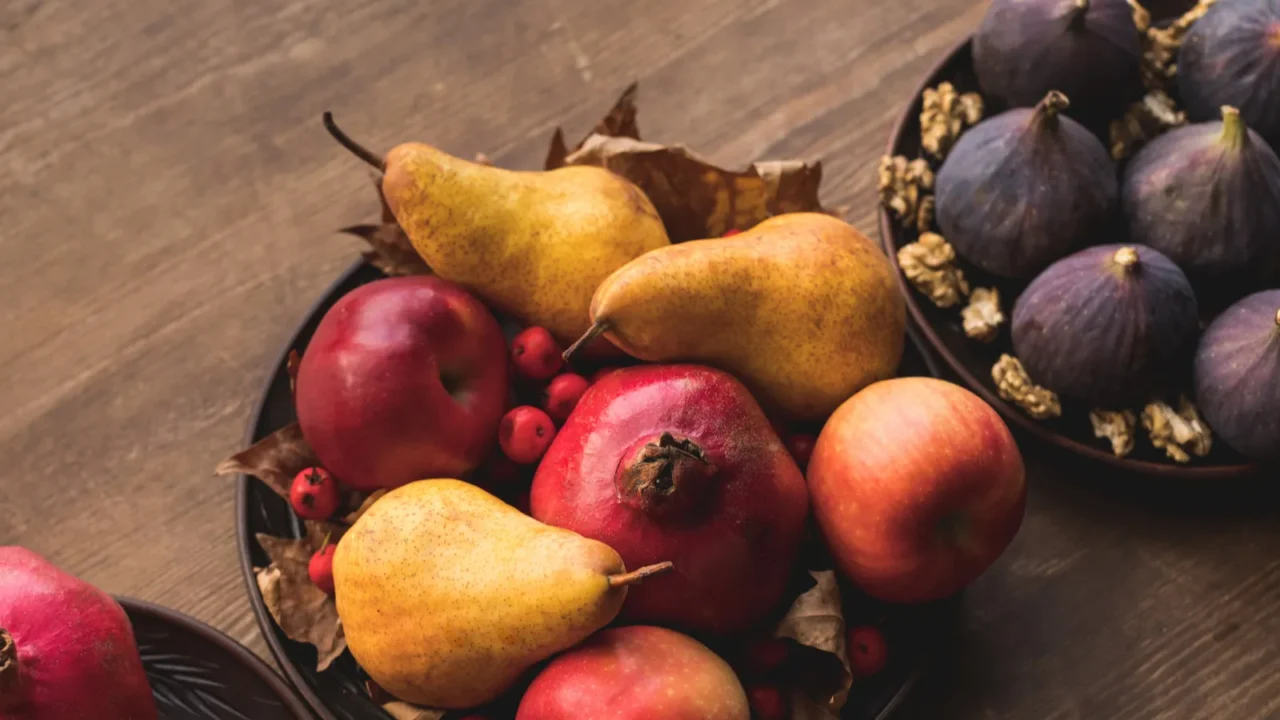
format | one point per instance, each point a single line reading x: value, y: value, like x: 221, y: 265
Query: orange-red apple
x: 918, y: 487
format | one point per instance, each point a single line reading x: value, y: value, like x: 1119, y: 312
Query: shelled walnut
x: 982, y: 317
x: 1160, y: 44
x: 1180, y: 433
x: 1146, y: 119
x: 905, y: 188
x: 1013, y: 384
x: 929, y: 264
x: 1117, y: 426
x: 946, y: 113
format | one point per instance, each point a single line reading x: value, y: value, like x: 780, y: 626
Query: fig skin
x: 1108, y: 326
x: 1087, y: 49
x: 1237, y: 376
x: 1231, y: 56
x: 1208, y: 197
x: 1025, y: 188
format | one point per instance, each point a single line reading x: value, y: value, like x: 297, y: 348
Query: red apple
x: 918, y: 487
x: 636, y: 673
x: 405, y: 378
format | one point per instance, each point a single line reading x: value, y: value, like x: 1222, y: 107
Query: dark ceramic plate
x: 338, y: 693
x: 197, y: 673
x: 972, y: 360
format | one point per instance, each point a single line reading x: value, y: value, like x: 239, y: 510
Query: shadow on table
x: 1121, y: 592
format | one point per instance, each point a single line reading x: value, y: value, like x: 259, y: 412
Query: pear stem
x: 9, y: 673
x: 1234, y: 132
x: 597, y: 328
x: 352, y: 146
x: 636, y: 576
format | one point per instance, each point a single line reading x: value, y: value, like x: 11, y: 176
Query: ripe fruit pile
x: 1117, y: 259
x: 628, y: 472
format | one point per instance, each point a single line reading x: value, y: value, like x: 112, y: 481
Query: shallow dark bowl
x: 197, y: 673
x: 338, y: 693
x: 972, y: 360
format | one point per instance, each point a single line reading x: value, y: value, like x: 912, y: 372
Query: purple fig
x: 1208, y: 196
x: 1025, y: 188
x: 1107, y: 327
x: 1237, y: 376
x: 1087, y: 49
x: 1231, y: 56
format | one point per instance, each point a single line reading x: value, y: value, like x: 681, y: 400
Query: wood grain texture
x: 170, y: 199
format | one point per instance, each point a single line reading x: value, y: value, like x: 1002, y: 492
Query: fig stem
x: 9, y: 673
x: 596, y: 329
x: 1052, y: 104
x: 1234, y: 132
x: 1126, y: 257
x: 352, y: 146
x: 636, y: 576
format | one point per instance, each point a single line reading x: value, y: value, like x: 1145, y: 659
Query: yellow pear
x: 802, y: 308
x: 534, y: 245
x: 447, y: 594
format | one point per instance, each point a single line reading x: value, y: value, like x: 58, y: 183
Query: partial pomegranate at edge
x: 67, y: 650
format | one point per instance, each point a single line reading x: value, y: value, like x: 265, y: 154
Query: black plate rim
x: 211, y: 635
x: 267, y: 625
x: 889, y: 241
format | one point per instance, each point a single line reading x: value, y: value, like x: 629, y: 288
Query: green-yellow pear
x: 534, y: 245
x: 802, y: 308
x: 447, y: 594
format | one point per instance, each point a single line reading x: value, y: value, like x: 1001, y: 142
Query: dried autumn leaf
x: 274, y: 459
x: 816, y: 620
x: 620, y: 122
x: 697, y: 199
x: 389, y: 249
x: 303, y: 612
x: 401, y: 710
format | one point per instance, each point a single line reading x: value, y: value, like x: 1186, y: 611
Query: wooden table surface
x: 169, y: 200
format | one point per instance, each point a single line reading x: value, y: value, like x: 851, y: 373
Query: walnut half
x: 1117, y: 426
x: 1181, y: 433
x: 929, y: 265
x: 982, y: 317
x: 1014, y: 385
x: 945, y: 114
x: 905, y: 188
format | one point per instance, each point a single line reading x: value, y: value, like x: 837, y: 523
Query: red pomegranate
x: 66, y: 648
x: 678, y: 462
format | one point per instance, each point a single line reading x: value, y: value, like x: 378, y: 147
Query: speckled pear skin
x: 534, y: 245
x: 802, y: 308
x: 447, y: 594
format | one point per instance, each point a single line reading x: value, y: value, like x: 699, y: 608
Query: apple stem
x: 354, y: 147
x: 636, y: 576
x: 597, y: 328
x: 9, y: 672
